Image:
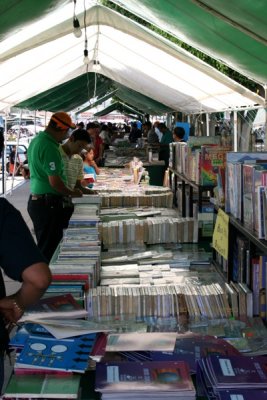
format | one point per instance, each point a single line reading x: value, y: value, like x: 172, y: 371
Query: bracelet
x: 18, y: 307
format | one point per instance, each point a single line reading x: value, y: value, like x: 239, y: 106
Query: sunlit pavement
x: 11, y: 183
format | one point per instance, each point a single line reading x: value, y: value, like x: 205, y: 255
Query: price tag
x: 220, y: 237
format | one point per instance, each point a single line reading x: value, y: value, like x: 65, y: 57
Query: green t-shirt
x: 44, y: 160
x: 164, y: 152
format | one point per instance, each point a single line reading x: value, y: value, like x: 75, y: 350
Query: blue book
x: 57, y: 354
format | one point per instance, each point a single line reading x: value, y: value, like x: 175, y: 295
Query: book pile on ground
x: 42, y: 386
x: 141, y: 380
x: 218, y: 374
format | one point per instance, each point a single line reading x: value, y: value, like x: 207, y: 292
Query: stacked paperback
x: 218, y: 376
x: 144, y: 380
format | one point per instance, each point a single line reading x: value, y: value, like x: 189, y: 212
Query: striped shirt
x: 73, y: 168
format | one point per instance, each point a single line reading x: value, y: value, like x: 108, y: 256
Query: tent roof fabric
x: 117, y: 106
x: 137, y: 100
x: 48, y: 55
x: 232, y: 31
x: 68, y: 95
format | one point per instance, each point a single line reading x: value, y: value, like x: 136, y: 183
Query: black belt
x: 46, y: 196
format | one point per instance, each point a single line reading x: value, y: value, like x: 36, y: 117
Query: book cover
x: 141, y: 341
x: 242, y: 394
x: 56, y: 354
x: 63, y: 306
x: 191, y: 349
x: 43, y: 386
x: 237, y: 371
x: 152, y: 376
x: 212, y: 159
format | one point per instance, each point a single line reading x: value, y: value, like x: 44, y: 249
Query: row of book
x: 172, y: 300
x: 150, y: 231
x: 137, y: 200
x: 202, y: 159
x: 246, y: 180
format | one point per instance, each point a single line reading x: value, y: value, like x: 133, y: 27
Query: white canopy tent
x: 47, y: 53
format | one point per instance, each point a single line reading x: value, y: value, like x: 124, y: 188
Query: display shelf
x: 249, y: 234
x: 185, y: 182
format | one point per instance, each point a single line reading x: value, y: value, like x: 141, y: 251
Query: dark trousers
x: 48, y: 221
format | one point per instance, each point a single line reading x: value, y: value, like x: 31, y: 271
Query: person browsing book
x: 48, y: 183
x: 89, y: 164
x: 73, y: 166
x: 22, y: 261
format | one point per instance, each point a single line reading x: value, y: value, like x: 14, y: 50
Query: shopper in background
x: 22, y: 261
x: 178, y: 134
x: 48, y: 183
x: 94, y: 131
x: 156, y: 129
x: 89, y: 166
x: 135, y: 133
x: 150, y: 133
x: 164, y: 151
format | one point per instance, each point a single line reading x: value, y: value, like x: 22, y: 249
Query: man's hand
x: 10, y: 309
x: 76, y: 193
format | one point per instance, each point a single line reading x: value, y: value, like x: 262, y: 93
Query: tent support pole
x: 34, y: 122
x: 265, y: 109
x: 4, y: 159
x: 235, y: 130
x: 207, y: 124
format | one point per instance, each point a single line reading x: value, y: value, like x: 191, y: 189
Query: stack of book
x: 76, y: 261
x: 217, y: 376
x: 45, y: 365
x: 141, y: 380
x: 189, y: 298
x: 150, y: 231
x: 43, y: 386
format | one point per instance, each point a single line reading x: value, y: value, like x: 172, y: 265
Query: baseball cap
x: 63, y: 120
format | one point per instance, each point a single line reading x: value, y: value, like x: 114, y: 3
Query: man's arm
x: 35, y: 280
x: 57, y: 183
x: 84, y: 189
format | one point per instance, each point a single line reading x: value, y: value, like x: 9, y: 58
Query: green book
x: 43, y: 386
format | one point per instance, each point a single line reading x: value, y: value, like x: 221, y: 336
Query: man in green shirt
x: 48, y: 183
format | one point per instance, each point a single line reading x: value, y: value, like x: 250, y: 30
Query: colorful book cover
x: 213, y: 158
x: 43, y: 386
x: 63, y: 306
x: 151, y: 376
x: 248, y: 215
x: 57, y: 354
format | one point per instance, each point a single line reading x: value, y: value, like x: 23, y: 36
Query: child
x: 89, y: 165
